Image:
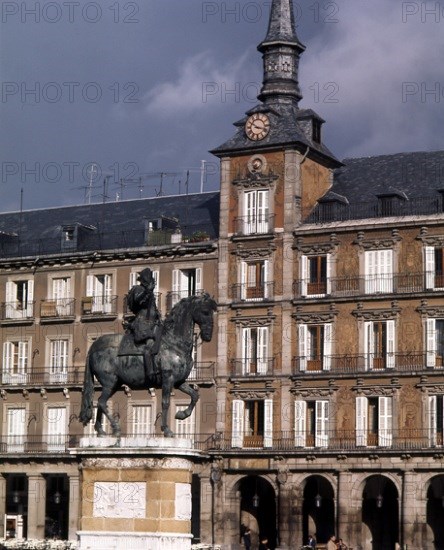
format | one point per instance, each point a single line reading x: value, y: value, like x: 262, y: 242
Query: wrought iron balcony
x: 365, y: 362
x: 343, y: 441
x: 259, y: 224
x: 93, y: 306
x: 17, y: 311
x: 44, y: 376
x: 247, y: 293
x: 202, y: 372
x: 60, y: 308
x: 403, y: 283
x: 252, y: 366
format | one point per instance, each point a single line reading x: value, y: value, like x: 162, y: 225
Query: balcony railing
x: 19, y: 311
x: 173, y: 297
x: 247, y: 293
x: 403, y: 283
x: 202, y: 371
x: 366, y: 362
x: 259, y: 224
x: 252, y: 366
x: 99, y: 305
x: 57, y: 309
x: 46, y: 376
x: 332, y: 440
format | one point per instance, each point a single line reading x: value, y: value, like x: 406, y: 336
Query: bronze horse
x: 173, y: 363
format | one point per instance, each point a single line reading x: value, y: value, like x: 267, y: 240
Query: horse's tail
x: 86, y: 411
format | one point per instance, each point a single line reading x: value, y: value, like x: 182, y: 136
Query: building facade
x: 321, y: 407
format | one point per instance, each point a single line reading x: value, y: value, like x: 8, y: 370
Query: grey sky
x: 151, y: 87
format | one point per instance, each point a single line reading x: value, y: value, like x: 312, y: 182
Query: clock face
x: 257, y: 126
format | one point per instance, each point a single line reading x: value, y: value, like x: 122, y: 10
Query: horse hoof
x: 168, y: 433
x: 180, y: 415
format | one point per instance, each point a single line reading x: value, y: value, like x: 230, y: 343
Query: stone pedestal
x: 135, y: 493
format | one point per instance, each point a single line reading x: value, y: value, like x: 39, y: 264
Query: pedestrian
x: 264, y: 544
x: 247, y: 538
x: 340, y: 545
x: 331, y: 544
x: 311, y: 541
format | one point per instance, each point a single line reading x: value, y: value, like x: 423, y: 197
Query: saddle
x: 127, y: 346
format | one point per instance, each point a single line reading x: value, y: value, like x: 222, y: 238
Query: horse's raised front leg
x: 167, y: 386
x: 194, y: 394
x: 102, y: 407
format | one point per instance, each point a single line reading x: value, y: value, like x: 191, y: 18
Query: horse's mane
x: 178, y: 310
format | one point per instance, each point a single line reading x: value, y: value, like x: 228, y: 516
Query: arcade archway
x: 318, y: 510
x: 435, y: 510
x: 380, y: 513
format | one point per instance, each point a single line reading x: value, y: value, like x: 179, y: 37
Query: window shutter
x: 156, y: 277
x: 262, y: 211
x: 300, y: 415
x: 16, y: 429
x: 29, y: 298
x: 243, y: 280
x: 90, y: 285
x: 247, y: 352
x: 250, y: 212
x: 305, y: 275
x: 321, y: 429
x: 8, y: 358
x: 267, y: 278
x: 328, y: 336
x: 262, y: 350
x: 369, y: 271
x: 431, y: 342
x: 108, y: 285
x: 429, y: 264
x: 176, y: 280
x: 22, y: 357
x: 361, y: 421
x: 328, y: 275
x: 198, y: 278
x: 237, y: 429
x: 387, y: 270
x: 11, y: 299
x: 268, y: 423
x: 369, y: 345
x: 303, y: 334
x: 385, y: 434
x: 141, y: 421
x: 432, y: 420
x: 56, y: 428
x: 133, y: 279
x: 391, y: 356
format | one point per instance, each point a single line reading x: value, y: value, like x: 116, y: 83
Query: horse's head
x: 203, y: 311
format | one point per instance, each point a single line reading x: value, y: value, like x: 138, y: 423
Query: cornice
x: 377, y: 390
x: 318, y: 247
x: 315, y: 317
x: 377, y: 244
x: 376, y: 314
x: 430, y: 240
x: 434, y: 311
x: 252, y: 253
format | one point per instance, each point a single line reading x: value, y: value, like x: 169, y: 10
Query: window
x: 378, y: 271
x: 254, y: 280
x: 99, y: 289
x: 133, y: 279
x: 435, y: 420
x: 58, y: 364
x: 435, y: 342
x: 316, y: 131
x: 255, y: 351
x: 15, y: 362
x: 186, y: 282
x: 311, y: 423
x: 315, y: 343
x: 61, y: 294
x: 185, y: 428
x: 256, y: 212
x: 141, y: 422
x: 89, y: 430
x: 19, y: 299
x: 379, y: 345
x: 57, y: 428
x: 434, y: 267
x: 374, y: 421
x: 252, y: 423
x: 315, y: 275
x: 16, y: 429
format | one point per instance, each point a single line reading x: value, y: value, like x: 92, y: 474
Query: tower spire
x: 281, y: 51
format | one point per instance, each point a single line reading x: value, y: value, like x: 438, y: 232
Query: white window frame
x: 246, y: 278
x: 185, y: 429
x: 237, y: 423
x: 430, y: 267
x: 61, y: 294
x: 256, y: 212
x: 135, y: 273
x: 378, y: 271
x: 56, y: 427
x: 59, y: 354
x: 369, y: 352
x: 321, y: 423
x: 16, y: 429
x: 180, y: 280
x: 305, y: 344
x: 100, y: 292
x: 16, y: 361
x: 385, y: 421
x: 305, y: 275
x: 141, y: 421
x: 260, y: 353
x: 15, y: 309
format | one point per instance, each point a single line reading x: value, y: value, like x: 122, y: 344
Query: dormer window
x: 68, y: 234
x: 316, y: 131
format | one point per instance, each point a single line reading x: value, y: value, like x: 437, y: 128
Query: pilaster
x: 36, y: 506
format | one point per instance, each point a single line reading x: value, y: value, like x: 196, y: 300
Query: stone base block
x: 92, y: 540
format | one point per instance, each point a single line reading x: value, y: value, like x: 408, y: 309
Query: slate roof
x: 282, y: 26
x: 285, y: 130
x: 414, y: 181
x: 108, y: 226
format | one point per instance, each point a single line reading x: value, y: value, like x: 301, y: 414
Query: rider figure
x: 146, y: 327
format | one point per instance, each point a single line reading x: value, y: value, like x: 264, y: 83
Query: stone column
x: 36, y: 506
x: 349, y: 515
x: 413, y: 512
x: 284, y: 500
x: 73, y: 518
x: 206, y: 505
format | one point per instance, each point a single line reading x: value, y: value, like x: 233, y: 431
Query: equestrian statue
x: 150, y: 354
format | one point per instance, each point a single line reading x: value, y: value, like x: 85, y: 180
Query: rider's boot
x: 148, y: 362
